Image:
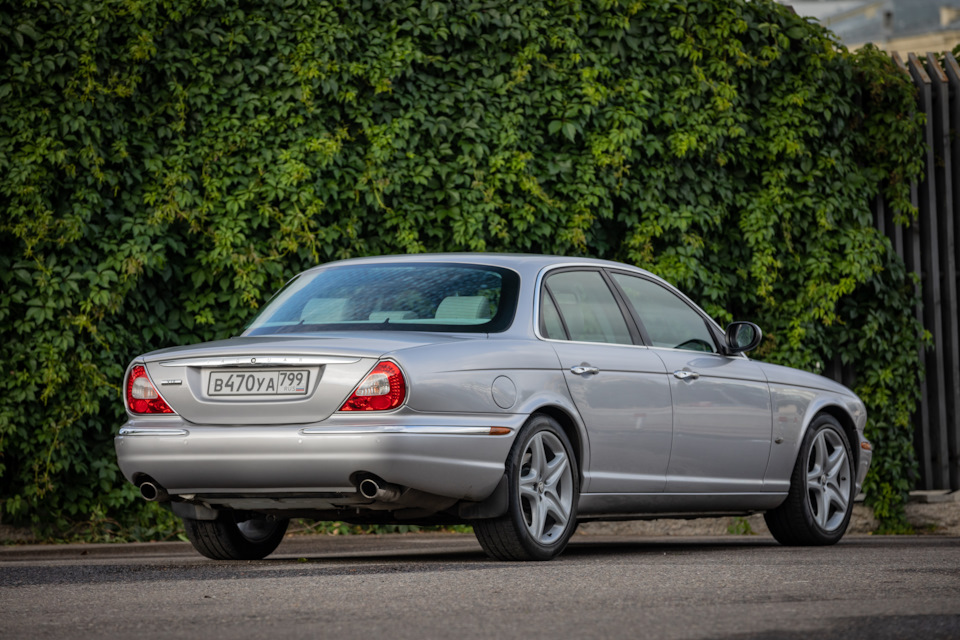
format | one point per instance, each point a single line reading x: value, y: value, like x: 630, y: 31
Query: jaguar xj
x: 521, y: 394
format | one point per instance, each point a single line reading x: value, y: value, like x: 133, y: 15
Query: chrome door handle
x: 580, y: 371
x: 686, y: 375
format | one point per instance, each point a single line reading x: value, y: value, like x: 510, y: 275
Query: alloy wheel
x: 828, y: 480
x: 546, y: 487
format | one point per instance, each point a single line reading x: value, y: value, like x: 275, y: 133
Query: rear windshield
x: 395, y: 297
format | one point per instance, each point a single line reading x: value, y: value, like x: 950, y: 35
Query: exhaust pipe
x: 372, y: 489
x: 152, y: 492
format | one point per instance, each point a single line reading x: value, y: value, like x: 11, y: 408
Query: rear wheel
x: 818, y: 507
x: 544, y: 487
x: 228, y: 538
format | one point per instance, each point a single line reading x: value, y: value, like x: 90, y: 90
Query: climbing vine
x: 166, y: 164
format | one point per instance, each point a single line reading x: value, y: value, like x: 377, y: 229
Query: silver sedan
x: 520, y: 394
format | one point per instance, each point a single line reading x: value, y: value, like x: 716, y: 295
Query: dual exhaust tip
x: 153, y: 492
x: 375, y: 489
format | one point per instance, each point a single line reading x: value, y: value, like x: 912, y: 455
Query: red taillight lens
x: 382, y: 389
x: 142, y: 396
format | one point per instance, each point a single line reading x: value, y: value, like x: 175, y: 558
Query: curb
x: 107, y: 549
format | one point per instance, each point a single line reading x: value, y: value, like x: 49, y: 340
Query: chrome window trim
x: 627, y: 321
x: 538, y: 288
x: 541, y: 276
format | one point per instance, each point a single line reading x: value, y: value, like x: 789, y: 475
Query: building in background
x: 906, y: 26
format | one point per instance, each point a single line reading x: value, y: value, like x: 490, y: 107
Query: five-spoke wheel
x: 828, y: 480
x: 544, y: 486
x: 818, y: 507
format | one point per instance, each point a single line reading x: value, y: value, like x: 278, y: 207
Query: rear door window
x: 587, y: 309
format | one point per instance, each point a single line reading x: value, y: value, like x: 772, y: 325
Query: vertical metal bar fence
x: 929, y: 247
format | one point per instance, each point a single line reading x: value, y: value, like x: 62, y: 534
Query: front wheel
x: 544, y: 486
x: 818, y: 508
x: 230, y: 538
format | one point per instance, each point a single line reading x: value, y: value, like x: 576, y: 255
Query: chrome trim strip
x: 132, y: 431
x: 258, y: 361
x: 414, y: 429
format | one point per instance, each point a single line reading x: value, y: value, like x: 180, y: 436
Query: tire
x: 818, y: 507
x: 544, y: 487
x: 228, y: 538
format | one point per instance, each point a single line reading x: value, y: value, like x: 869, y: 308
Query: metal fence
x: 929, y: 249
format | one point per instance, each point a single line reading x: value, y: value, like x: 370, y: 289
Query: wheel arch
x: 849, y: 428
x: 571, y: 429
x: 795, y: 521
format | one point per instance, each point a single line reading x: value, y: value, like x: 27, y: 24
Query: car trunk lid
x: 269, y: 380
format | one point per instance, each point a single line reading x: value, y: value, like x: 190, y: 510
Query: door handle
x: 582, y: 370
x: 686, y: 375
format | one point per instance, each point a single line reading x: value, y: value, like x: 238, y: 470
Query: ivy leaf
x: 797, y: 32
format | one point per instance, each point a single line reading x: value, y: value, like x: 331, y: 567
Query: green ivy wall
x: 165, y: 165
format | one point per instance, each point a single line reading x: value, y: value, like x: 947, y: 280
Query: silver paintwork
x: 628, y: 401
x: 721, y: 423
x: 258, y: 361
x: 282, y: 459
x: 331, y: 381
x: 655, y: 431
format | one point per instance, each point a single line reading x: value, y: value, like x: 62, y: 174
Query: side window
x: 669, y: 321
x: 589, y: 310
x: 550, y: 324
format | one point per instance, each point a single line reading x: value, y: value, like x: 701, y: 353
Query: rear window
x: 394, y: 297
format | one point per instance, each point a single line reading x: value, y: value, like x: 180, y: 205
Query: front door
x: 722, y: 416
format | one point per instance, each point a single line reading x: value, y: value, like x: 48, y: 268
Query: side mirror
x: 742, y: 337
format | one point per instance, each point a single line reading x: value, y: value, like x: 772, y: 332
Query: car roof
x: 524, y: 262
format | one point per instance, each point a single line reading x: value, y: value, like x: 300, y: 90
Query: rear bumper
x: 458, y: 459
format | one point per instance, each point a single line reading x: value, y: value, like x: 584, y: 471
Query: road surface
x: 435, y: 585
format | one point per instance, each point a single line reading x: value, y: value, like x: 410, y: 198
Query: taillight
x: 142, y: 396
x: 382, y: 389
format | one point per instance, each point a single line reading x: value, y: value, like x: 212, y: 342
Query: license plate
x: 258, y: 383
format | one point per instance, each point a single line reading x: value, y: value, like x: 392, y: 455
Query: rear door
x: 619, y: 387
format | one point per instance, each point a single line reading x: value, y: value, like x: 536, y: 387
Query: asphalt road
x: 432, y: 586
